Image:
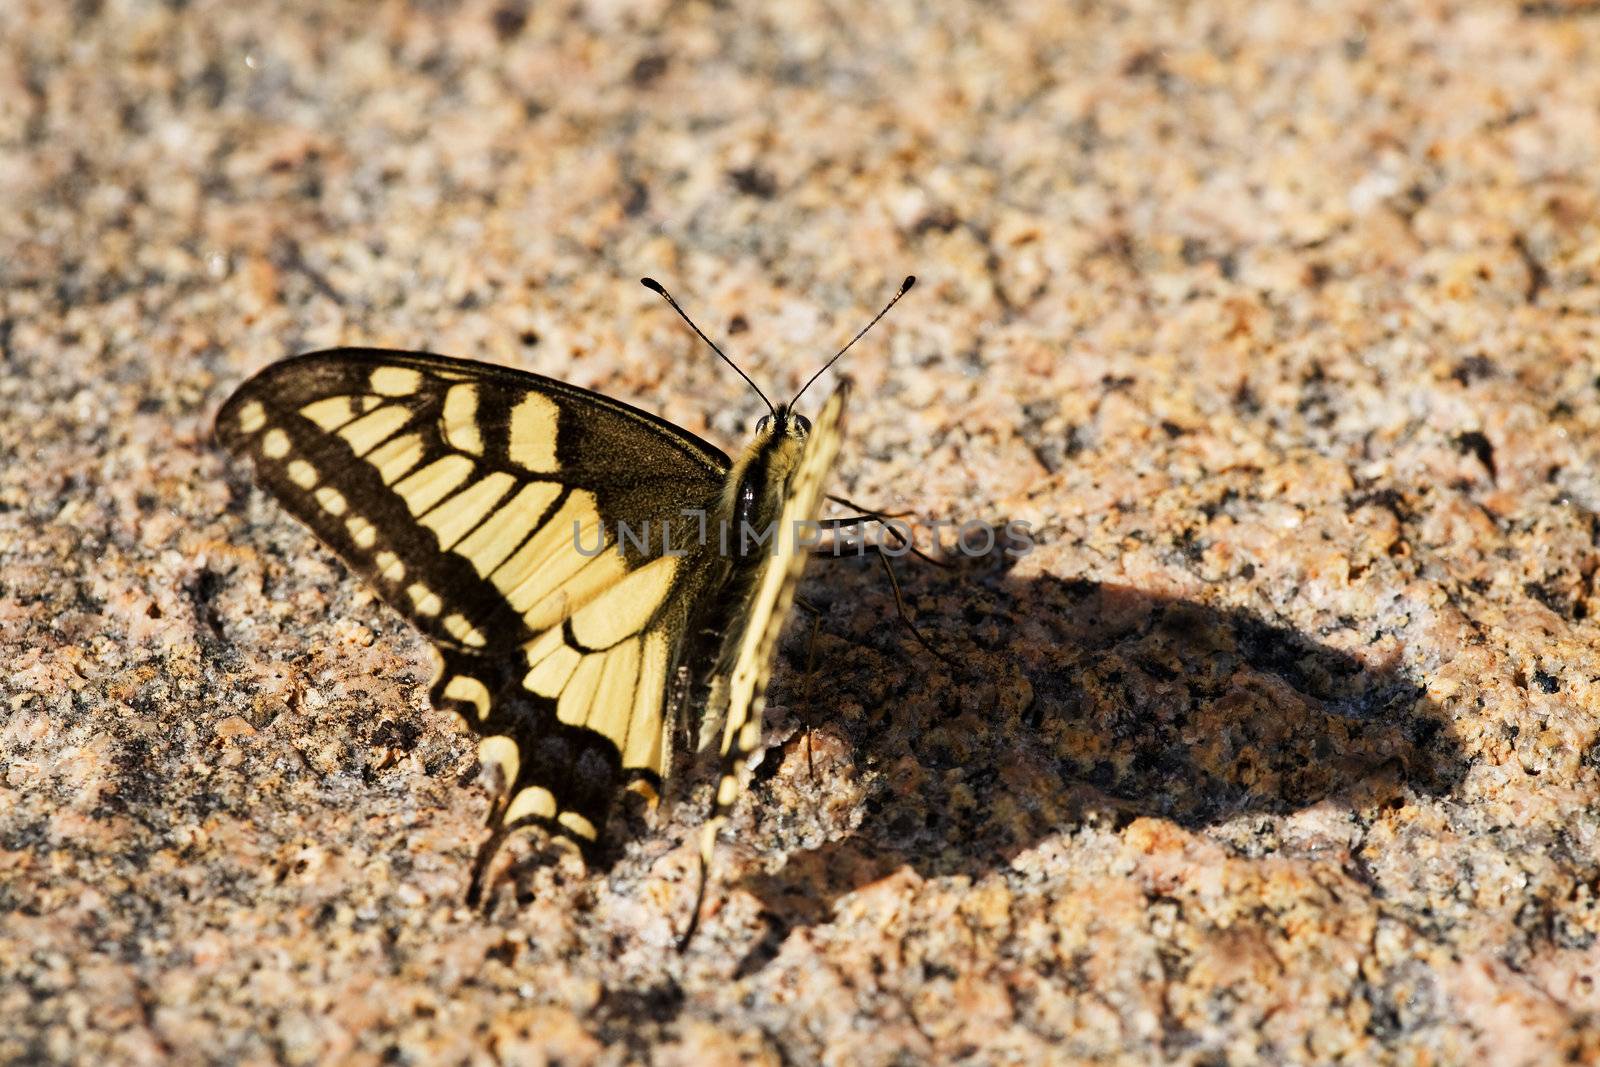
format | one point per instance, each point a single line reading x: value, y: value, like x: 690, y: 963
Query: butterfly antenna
x: 656, y: 287
x: 905, y: 287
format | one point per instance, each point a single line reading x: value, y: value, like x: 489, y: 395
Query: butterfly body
x: 569, y: 557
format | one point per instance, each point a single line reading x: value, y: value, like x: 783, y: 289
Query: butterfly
x: 581, y: 567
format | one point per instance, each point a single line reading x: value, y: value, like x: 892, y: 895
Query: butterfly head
x: 777, y: 445
x: 759, y: 478
x: 783, y: 422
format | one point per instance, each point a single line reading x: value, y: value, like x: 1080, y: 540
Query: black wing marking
x: 462, y: 491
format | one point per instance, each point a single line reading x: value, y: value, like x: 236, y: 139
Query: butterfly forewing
x: 484, y: 505
x: 739, y: 696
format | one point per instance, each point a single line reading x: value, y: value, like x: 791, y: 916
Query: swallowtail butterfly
x: 572, y: 559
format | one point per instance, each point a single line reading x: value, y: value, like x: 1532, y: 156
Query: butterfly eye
x: 804, y: 423
x: 763, y: 423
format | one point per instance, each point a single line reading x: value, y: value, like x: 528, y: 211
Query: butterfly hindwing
x: 483, y: 504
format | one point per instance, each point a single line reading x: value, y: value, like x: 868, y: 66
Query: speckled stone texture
x: 1277, y: 322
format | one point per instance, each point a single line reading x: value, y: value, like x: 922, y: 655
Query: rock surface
x: 1277, y: 322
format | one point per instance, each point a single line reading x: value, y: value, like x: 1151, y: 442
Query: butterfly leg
x: 805, y: 690
x: 894, y: 580
x: 810, y: 675
x: 866, y: 514
x: 901, y: 540
x: 872, y: 513
x: 905, y: 617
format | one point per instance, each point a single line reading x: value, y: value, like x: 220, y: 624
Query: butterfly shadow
x: 1079, y: 702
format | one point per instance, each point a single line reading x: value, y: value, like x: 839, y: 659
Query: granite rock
x: 1275, y: 321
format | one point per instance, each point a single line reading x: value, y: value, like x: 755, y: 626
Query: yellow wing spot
x: 598, y: 573
x: 577, y: 697
x: 623, y: 609
x: 643, y: 745
x: 488, y: 546
x: 459, y: 628
x: 252, y: 417
x: 432, y: 483
x: 396, y: 457
x: 460, y: 423
x: 550, y: 677
x: 532, y: 439
x: 613, y: 699
x: 374, y: 428
x: 362, y: 532
x: 389, y: 566
x: 465, y: 687
x: 500, y: 751
x: 543, y: 645
x: 332, y: 413
x: 331, y: 500
x: 547, y: 558
x: 302, y: 474
x: 578, y: 825
x: 395, y: 381
x: 643, y: 789
x: 455, y: 518
x: 275, y: 445
x: 425, y: 599
x: 535, y: 800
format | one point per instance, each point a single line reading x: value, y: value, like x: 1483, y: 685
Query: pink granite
x: 1277, y: 322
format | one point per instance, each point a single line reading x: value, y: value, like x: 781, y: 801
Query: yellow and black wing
x: 484, y: 505
x: 738, y: 693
